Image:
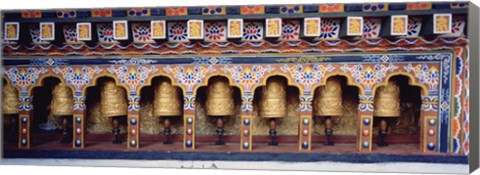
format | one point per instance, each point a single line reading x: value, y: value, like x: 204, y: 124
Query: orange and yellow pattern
x: 47, y: 31
x: 32, y: 14
x: 329, y: 8
x: 176, y: 11
x: 120, y: 28
x: 355, y: 26
x: 249, y: 10
x: 442, y: 23
x: 235, y: 28
x: 11, y: 31
x: 312, y: 26
x: 419, y: 6
x: 274, y: 27
x: 399, y: 25
x: 158, y: 29
x: 101, y: 12
x: 84, y: 31
x: 195, y: 29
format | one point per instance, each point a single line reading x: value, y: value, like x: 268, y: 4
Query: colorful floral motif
x: 176, y: 11
x: 374, y: 7
x: 253, y: 31
x: 414, y: 26
x: 177, y: 31
x: 429, y: 76
x: 247, y: 10
x: 141, y: 32
x: 368, y: 76
x: 78, y: 77
x: 290, y: 30
x: 138, y: 12
x: 70, y: 33
x: 215, y: 31
x: 24, y: 78
x: 458, y: 26
x: 329, y: 29
x: 328, y: 8
x: 67, y: 14
x: 429, y: 103
x: 371, y: 27
x: 366, y: 103
x: 246, y: 76
x: 132, y: 76
x: 189, y: 77
x: 306, y: 74
x: 32, y: 14
x: 105, y: 33
x: 35, y: 34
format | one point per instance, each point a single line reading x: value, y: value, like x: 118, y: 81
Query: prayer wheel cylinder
x: 113, y: 101
x: 387, y: 100
x: 219, y: 98
x: 328, y: 101
x: 62, y: 100
x: 166, y: 100
x: 273, y: 100
x: 10, y: 99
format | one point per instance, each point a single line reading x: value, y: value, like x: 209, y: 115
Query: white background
x: 69, y: 170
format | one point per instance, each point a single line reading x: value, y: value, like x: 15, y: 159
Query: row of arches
x: 407, y: 123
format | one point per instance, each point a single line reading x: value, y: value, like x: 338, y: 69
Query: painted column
x: 428, y: 125
x: 24, y: 117
x: 246, y: 122
x: 189, y: 122
x: 79, y: 116
x: 365, y: 123
x: 133, y: 121
x: 305, y: 123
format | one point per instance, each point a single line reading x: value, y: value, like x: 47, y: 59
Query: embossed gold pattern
x: 113, y: 99
x: 219, y: 97
x: 273, y: 100
x: 387, y: 100
x: 328, y: 101
x: 10, y: 100
x: 62, y: 100
x: 166, y: 100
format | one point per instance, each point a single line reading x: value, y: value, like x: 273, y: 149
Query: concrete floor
x: 244, y: 165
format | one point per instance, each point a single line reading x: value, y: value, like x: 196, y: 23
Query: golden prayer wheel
x: 166, y: 100
x: 328, y: 101
x: 62, y: 100
x: 273, y: 100
x: 219, y: 98
x: 113, y: 101
x: 10, y: 100
x: 387, y: 100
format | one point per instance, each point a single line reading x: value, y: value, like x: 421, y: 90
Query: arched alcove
x: 152, y: 127
x: 99, y: 128
x: 10, y: 118
x: 286, y: 126
x: 206, y: 125
x: 403, y: 132
x: 345, y: 125
x: 45, y: 127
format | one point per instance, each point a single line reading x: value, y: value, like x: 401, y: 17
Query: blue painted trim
x: 353, y: 7
x: 194, y: 11
x: 441, y: 5
x: 237, y: 156
x: 397, y: 6
x: 233, y: 10
x: 186, y: 60
x: 84, y: 14
x: 272, y: 9
x: 119, y: 13
x: 310, y: 8
x: 157, y: 12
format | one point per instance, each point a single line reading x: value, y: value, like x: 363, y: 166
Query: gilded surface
x: 96, y: 123
x: 205, y: 124
x: 387, y: 100
x: 219, y: 100
x: 114, y: 101
x: 166, y: 100
x: 287, y: 125
x: 273, y: 99
x: 10, y: 100
x: 62, y: 100
x: 328, y: 99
